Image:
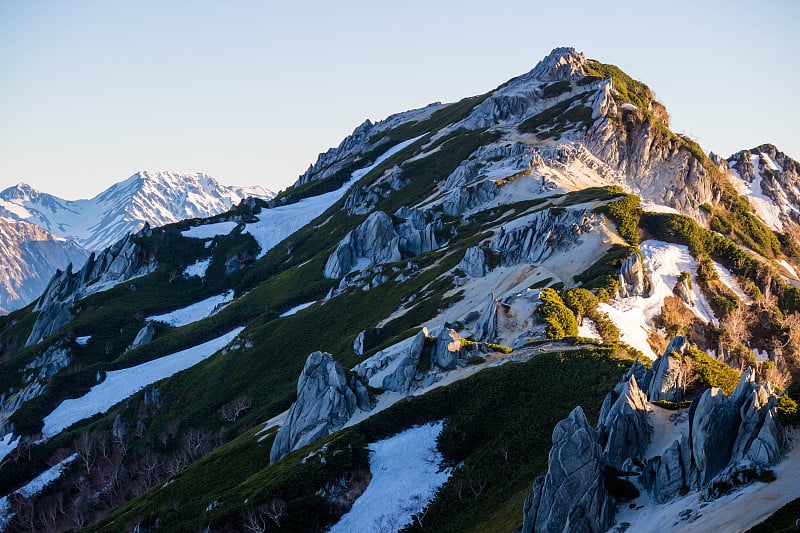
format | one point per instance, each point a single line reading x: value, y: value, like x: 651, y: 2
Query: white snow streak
x: 297, y: 308
x: 195, y: 312
x: 120, y: 384
x: 7, y: 444
x: 34, y: 487
x: 209, y: 231
x: 277, y: 223
x: 405, y: 477
x: 83, y: 341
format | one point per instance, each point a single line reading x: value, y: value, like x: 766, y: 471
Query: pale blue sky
x: 250, y: 91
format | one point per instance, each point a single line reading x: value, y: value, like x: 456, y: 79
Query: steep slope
x: 380, y: 292
x: 29, y: 255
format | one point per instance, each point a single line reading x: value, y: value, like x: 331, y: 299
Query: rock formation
x: 572, y: 495
x: 731, y: 441
x: 144, y: 336
x: 623, y: 428
x: 115, y: 264
x: 633, y: 280
x: 326, y: 399
x: 668, y: 380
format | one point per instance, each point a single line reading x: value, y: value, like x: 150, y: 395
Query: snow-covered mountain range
x: 72, y: 229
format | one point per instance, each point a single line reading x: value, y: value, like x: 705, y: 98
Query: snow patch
x: 763, y: 204
x: 83, y: 341
x: 297, y: 308
x: 729, y: 281
x: 198, y: 268
x: 34, y: 487
x: 588, y: 330
x: 277, y: 223
x: 789, y: 268
x: 7, y: 444
x: 663, y: 262
x: 405, y: 477
x: 209, y: 231
x: 195, y: 312
x: 121, y: 384
x: 650, y: 207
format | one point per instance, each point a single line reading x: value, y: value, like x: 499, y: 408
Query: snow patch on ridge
x: 209, y: 231
x: 277, y: 223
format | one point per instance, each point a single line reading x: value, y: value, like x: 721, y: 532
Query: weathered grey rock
x: 683, y: 291
x: 330, y: 162
x: 326, y: 399
x: 402, y: 378
x: 358, y: 343
x: 713, y: 424
x: 669, y: 375
x: 446, y: 349
x: 486, y: 323
x: 375, y: 240
x: 572, y: 495
x: 474, y: 263
x: 144, y: 336
x: 664, y: 477
x: 633, y: 280
x: 543, y: 234
x: 623, y: 428
x: 418, y: 232
x: 116, y: 264
x: 761, y: 438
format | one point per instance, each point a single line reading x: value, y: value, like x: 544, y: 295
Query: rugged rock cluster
x: 732, y: 440
x: 115, y: 264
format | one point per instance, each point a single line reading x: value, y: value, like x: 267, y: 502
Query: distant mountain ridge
x: 40, y: 232
x: 158, y: 198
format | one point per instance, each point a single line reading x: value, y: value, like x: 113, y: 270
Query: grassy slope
x: 512, y: 408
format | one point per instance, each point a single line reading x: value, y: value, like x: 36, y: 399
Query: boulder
x: 358, y: 343
x: 713, y: 422
x: 572, y: 495
x: 474, y: 263
x: 683, y: 291
x: 326, y: 399
x: 446, y: 349
x: 144, y: 336
x: 664, y: 476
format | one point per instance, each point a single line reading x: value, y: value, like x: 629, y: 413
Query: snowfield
x: 405, y: 477
x: 120, y: 384
x: 277, y: 223
x: 195, y: 312
x: 664, y: 262
x: 209, y: 231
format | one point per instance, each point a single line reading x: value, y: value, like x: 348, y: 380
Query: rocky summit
x: 537, y: 309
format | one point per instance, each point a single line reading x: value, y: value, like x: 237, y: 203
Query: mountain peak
x: 564, y: 63
x: 20, y: 191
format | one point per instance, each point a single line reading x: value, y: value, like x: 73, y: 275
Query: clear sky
x: 251, y: 91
